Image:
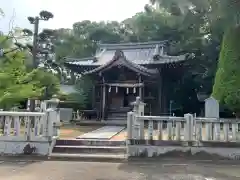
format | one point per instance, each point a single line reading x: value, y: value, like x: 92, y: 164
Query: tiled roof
x: 120, y: 58
x: 138, y: 45
x: 139, y: 53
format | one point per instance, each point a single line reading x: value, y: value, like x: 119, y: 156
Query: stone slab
x: 106, y: 132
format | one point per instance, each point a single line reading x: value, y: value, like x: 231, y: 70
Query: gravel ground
x: 169, y: 170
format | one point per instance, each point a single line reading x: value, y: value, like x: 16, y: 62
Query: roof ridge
x: 133, y: 43
x: 78, y: 59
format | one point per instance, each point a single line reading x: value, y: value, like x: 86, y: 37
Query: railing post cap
x: 130, y: 113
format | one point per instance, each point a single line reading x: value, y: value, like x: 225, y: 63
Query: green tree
x: 189, y: 32
x: 48, y: 82
x: 17, y: 81
x: 227, y: 81
x: 221, y: 20
x: 16, y: 84
x: 83, y: 95
x: 81, y: 40
x: 226, y: 86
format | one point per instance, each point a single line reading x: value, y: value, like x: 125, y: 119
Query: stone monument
x: 211, y: 108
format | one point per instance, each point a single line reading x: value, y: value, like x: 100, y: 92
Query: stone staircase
x: 89, y: 150
x: 119, y: 114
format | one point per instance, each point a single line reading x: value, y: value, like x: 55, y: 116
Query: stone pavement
x: 105, y: 132
x: 164, y: 170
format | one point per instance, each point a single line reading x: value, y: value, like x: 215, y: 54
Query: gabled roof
x: 138, y: 53
x: 120, y: 59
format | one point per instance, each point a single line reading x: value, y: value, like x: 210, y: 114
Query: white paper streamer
x: 134, y: 90
x: 116, y: 89
x: 109, y: 90
x: 127, y: 90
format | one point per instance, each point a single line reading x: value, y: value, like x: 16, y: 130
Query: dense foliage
x: 14, y: 82
x: 227, y: 81
x: 17, y: 82
x: 83, y: 95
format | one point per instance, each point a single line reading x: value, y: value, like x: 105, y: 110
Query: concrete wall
x: 200, y: 150
x: 17, y: 147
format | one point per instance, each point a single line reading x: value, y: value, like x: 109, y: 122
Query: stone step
x: 89, y: 157
x: 117, y: 115
x: 89, y: 149
x: 88, y: 142
x: 116, y: 119
x: 119, y: 110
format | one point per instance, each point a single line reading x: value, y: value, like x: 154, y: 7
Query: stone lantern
x: 53, y: 103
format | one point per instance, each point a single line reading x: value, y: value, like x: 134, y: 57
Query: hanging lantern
x: 116, y: 89
x: 109, y: 89
x: 134, y: 90
x: 127, y: 90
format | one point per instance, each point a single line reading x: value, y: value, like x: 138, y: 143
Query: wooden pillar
x: 164, y: 93
x: 140, y: 88
x: 103, y: 101
x: 94, y: 97
x: 100, y: 103
x: 160, y: 87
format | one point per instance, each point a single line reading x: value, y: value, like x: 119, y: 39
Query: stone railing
x: 29, y: 132
x: 23, y: 125
x: 215, y: 129
x: 158, y: 128
x: 184, y: 128
x: 158, y: 135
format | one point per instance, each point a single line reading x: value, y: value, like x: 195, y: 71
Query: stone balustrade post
x: 130, y: 125
x: 138, y: 109
x: 188, y: 135
x: 178, y: 131
x: 226, y: 131
x: 169, y: 130
x: 217, y: 131
x: 53, y: 117
x: 130, y: 116
x: 234, y: 131
x: 208, y: 127
x: 136, y: 128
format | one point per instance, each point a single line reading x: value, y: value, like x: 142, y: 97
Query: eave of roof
x: 162, y: 60
x: 142, y: 53
x: 120, y: 59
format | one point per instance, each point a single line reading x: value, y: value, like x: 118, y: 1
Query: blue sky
x: 66, y: 12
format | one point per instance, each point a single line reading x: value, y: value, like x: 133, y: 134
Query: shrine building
x: 124, y: 71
